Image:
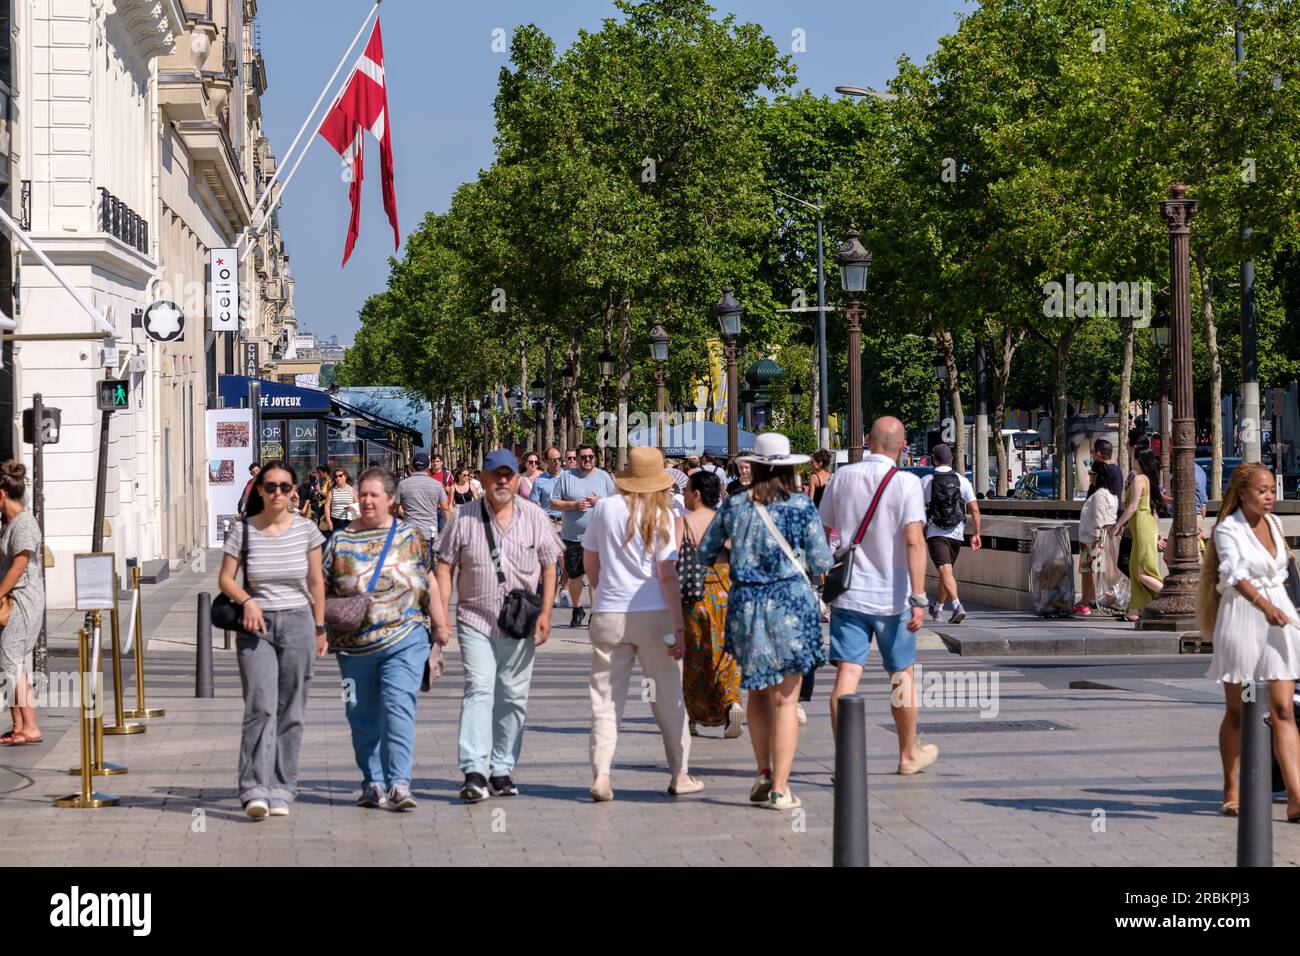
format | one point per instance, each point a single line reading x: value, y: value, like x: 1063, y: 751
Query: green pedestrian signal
x: 114, y: 394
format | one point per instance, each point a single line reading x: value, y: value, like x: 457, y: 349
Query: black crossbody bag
x: 840, y: 577
x: 522, y: 607
x: 225, y: 613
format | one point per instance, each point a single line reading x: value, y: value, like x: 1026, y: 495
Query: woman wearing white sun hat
x: 773, y: 615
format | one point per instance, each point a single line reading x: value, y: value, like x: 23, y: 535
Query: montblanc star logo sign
x: 164, y: 322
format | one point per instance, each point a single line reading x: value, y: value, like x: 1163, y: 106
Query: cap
x: 501, y: 458
x: 420, y: 462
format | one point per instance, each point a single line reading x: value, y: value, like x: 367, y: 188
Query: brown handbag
x: 347, y: 615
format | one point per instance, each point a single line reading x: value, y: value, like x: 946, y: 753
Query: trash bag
x: 1112, y: 582
x: 1051, y: 572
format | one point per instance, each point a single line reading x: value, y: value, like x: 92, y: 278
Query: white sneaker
x: 279, y: 808
x: 257, y: 808
x: 926, y: 754
x: 562, y: 600
x: 735, y: 722
x: 958, y: 614
x: 782, y: 801
x: 800, y: 714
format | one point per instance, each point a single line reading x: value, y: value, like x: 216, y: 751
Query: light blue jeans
x: 381, y: 707
x: 497, y: 674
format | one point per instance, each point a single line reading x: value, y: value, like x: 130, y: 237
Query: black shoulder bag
x: 522, y: 607
x: 225, y: 613
x: 840, y: 577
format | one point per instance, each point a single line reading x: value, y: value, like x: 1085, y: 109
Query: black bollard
x: 1255, y: 816
x: 203, y: 640
x: 850, y: 843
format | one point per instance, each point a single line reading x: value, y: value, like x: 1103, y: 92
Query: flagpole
x: 307, y: 122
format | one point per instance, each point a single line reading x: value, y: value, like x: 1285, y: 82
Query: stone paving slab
x: 996, y: 632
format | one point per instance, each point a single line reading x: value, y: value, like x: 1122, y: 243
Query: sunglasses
x: 284, y: 487
x: 586, y: 458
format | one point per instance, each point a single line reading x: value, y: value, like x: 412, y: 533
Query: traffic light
x: 114, y: 393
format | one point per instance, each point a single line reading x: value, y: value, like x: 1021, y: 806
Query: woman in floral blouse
x: 773, y: 617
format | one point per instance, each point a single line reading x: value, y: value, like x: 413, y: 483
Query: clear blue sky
x: 442, y: 77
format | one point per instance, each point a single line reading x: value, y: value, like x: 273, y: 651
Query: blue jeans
x: 497, y: 674
x: 381, y: 707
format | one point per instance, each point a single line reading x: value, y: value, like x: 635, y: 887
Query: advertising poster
x: 230, y: 432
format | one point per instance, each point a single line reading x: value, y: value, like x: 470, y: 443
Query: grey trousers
x: 275, y: 670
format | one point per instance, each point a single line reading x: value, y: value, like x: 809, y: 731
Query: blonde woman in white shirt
x: 1244, y: 603
x: 630, y: 559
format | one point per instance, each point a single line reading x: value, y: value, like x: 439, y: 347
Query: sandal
x: 20, y: 739
x: 7, y: 738
x: 1132, y: 618
x: 1229, y: 808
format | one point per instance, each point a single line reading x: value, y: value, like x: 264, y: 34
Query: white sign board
x: 230, y: 452
x: 93, y: 574
x: 223, y: 305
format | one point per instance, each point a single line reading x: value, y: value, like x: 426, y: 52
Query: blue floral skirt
x: 774, y: 630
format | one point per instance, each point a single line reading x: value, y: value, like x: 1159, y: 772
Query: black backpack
x: 946, y: 510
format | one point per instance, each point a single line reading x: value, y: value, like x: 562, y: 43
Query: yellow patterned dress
x: 710, y: 676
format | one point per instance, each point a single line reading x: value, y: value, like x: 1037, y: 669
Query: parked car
x: 1228, y: 465
x: 1040, y: 483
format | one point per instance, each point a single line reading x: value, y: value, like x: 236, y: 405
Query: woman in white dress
x: 1244, y: 603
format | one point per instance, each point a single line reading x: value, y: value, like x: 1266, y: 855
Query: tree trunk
x: 573, y: 427
x: 523, y: 392
x: 1001, y: 375
x: 548, y: 401
x: 954, y: 397
x: 624, y: 376
x: 1216, y: 380
x: 1060, y: 432
x: 1125, y: 395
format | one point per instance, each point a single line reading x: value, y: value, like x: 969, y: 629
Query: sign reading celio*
x: 223, y: 305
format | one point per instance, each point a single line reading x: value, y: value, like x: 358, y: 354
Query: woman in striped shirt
x: 283, y: 631
x: 340, y: 503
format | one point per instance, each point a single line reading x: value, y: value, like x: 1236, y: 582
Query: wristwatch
x: 918, y: 600
x: 320, y: 628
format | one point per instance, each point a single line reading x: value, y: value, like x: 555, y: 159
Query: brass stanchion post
x: 120, y: 727
x: 87, y: 798
x: 99, y: 767
x: 140, y: 710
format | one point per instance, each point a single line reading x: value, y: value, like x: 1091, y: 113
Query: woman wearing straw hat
x: 630, y: 559
x: 773, y: 617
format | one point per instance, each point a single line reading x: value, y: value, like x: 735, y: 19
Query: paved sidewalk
x: 1058, y: 776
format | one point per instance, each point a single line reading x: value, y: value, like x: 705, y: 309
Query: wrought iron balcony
x: 118, y: 219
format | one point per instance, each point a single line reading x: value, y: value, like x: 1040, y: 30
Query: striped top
x: 341, y: 498
x: 398, y: 600
x: 277, y: 563
x: 527, y: 545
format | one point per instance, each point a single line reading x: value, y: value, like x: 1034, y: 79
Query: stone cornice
x: 154, y: 25
x: 93, y: 249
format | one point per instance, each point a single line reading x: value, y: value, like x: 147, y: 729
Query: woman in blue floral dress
x: 773, y: 616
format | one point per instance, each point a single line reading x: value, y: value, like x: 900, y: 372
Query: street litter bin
x: 1051, y: 572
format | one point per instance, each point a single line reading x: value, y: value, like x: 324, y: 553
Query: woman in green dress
x: 1144, y: 577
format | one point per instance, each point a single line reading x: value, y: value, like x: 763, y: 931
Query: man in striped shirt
x: 498, y: 668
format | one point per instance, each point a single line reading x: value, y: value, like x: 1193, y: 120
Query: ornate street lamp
x: 605, y: 360
x: 796, y: 402
x: 1174, y: 609
x: 659, y: 353
x: 728, y: 312
x: 854, y: 262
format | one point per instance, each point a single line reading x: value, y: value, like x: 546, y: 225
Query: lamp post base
x: 1174, y: 609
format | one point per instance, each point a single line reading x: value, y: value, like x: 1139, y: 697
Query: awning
x: 276, y: 397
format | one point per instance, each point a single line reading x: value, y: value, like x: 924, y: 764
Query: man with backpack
x: 947, y: 495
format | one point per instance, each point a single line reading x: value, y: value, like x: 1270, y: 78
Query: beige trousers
x: 616, y: 641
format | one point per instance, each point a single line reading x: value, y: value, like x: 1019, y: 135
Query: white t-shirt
x: 629, y: 578
x: 881, y: 582
x: 967, y: 496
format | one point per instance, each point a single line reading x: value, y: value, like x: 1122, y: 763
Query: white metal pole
x: 102, y: 323
x: 307, y: 122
